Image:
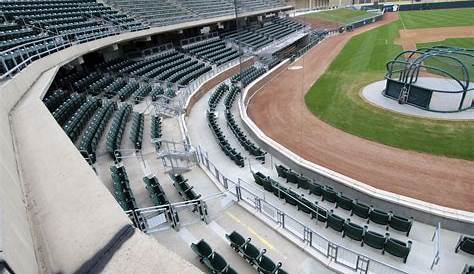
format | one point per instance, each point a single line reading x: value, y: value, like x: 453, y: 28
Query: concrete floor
x: 373, y: 94
x: 423, y: 249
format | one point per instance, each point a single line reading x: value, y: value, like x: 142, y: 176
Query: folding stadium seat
x: 466, y: 244
x: 352, y: 230
x: 202, y: 249
x: 236, y: 240
x: 216, y: 263
x: 315, y: 188
x: 306, y: 206
x: 400, y: 223
x: 266, y: 265
x: 292, y: 177
x: 374, y: 239
x: 378, y: 216
x: 259, y: 178
x: 343, y: 202
x: 251, y: 253
x: 335, y: 222
x: 329, y: 194
x: 280, y: 191
x: 360, y: 210
x: 292, y: 198
x: 303, y: 182
x: 397, y: 248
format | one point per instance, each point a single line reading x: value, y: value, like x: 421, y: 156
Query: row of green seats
x: 79, y: 119
x: 114, y: 137
x: 66, y: 109
x: 136, y: 131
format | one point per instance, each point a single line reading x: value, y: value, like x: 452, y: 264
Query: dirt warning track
x: 279, y: 110
x: 410, y: 37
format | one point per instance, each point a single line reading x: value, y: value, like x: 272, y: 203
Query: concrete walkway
x: 423, y: 249
x: 373, y: 94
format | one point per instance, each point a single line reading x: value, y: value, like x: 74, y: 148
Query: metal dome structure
x: 435, y: 79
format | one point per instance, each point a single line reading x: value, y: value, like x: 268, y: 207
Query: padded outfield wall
x: 437, y: 5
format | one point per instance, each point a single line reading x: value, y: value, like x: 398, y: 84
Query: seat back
x: 379, y: 216
x: 360, y: 210
x: 235, y: 239
x: 400, y: 223
x: 250, y: 251
x: 397, y: 248
x: 315, y: 188
x: 343, y: 202
x: 329, y: 194
x: 202, y: 249
x: 467, y: 245
x: 353, y: 231
x: 335, y: 222
x: 282, y: 171
x: 266, y: 265
x: 374, y: 239
x: 216, y: 262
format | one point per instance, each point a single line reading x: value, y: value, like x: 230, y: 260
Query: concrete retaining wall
x: 57, y: 216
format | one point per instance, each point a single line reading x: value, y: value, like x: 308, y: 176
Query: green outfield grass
x: 437, y: 18
x: 343, y: 16
x: 335, y: 99
x: 455, y: 42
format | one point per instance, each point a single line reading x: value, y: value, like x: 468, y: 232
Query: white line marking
x: 219, y: 230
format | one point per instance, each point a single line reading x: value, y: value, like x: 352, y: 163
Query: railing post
x: 239, y: 194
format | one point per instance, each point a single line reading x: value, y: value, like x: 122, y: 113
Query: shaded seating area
x: 74, y: 126
x: 136, y: 131
x: 243, y: 139
x: 184, y: 189
x: 95, y: 129
x: 122, y: 191
x: 213, y: 50
x: 114, y: 137
x: 210, y: 258
x: 216, y: 96
x: 252, y: 254
x: 222, y: 141
x: 68, y: 107
x: 156, y: 192
x: 248, y: 75
x: 156, y: 131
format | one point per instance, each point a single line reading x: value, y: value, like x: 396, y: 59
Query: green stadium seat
x: 397, y: 248
x: 352, y: 231
x: 329, y: 194
x: 343, y: 202
x: 236, y: 240
x: 335, y: 222
x: 400, y: 224
x: 216, y: 263
x: 360, y: 210
x: 202, y: 249
x: 378, y: 216
x: 374, y: 239
x: 465, y: 244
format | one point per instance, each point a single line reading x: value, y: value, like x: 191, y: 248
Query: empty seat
x: 468, y: 269
x: 397, y: 248
x: 282, y: 171
x: 202, y: 249
x: 315, y: 188
x: 251, y: 253
x: 329, y: 194
x: 292, y: 177
x: 400, y: 223
x: 378, y: 216
x: 216, y: 263
x: 267, y: 266
x: 303, y: 182
x: 236, y: 240
x: 335, y: 222
x: 259, y: 178
x: 466, y: 244
x: 343, y: 202
x: 374, y: 239
x: 360, y: 210
x: 352, y: 230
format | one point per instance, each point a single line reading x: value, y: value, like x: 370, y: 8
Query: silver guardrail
x: 15, y: 59
x: 255, y: 198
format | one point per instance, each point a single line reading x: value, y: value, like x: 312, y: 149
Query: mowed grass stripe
x: 342, y: 16
x: 438, y: 18
x: 335, y: 99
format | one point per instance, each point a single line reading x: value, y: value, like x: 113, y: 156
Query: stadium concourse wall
x: 56, y: 216
x: 452, y: 219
